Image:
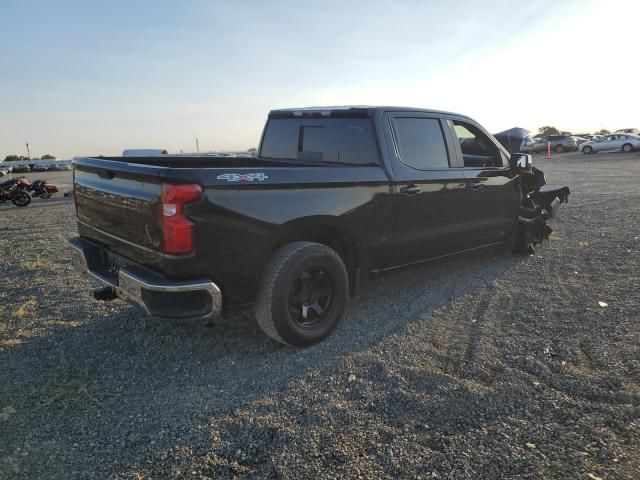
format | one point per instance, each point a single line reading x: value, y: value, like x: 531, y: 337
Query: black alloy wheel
x: 310, y: 297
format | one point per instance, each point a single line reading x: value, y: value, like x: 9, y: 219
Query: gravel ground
x: 478, y: 367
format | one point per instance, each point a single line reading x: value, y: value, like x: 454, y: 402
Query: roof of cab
x: 348, y: 110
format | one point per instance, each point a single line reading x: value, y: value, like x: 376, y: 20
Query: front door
x: 493, y: 199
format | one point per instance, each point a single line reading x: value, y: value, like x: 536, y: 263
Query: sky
x: 94, y: 77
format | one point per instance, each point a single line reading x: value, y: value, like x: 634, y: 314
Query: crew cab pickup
x: 335, y: 195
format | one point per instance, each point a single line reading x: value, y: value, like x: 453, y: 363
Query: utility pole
x: 28, y: 153
x: 197, y: 145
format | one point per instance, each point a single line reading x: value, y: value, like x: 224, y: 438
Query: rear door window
x: 332, y: 140
x: 421, y: 144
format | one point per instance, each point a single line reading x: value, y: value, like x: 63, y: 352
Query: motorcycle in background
x: 39, y: 188
x: 9, y: 190
x: 42, y: 189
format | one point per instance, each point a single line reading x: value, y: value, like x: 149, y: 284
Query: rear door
x: 493, y: 200
x: 615, y: 143
x: 429, y: 188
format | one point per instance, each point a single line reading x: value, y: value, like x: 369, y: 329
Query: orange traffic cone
x: 548, y: 150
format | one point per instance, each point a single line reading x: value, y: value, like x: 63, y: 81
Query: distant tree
x: 603, y: 131
x: 14, y: 158
x: 546, y: 130
x: 565, y: 133
x: 252, y: 149
x: 48, y: 157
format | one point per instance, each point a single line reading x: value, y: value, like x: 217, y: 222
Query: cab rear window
x: 331, y: 140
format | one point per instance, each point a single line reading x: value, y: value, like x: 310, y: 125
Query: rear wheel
x: 20, y: 198
x: 303, y: 294
x: 587, y: 150
x: 559, y: 149
x: 627, y: 147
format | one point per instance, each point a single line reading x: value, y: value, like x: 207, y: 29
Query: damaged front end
x: 540, y: 202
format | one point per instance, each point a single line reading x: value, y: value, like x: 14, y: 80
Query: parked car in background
x: 580, y: 140
x: 527, y: 145
x: 515, y: 140
x: 57, y: 167
x: 632, y: 131
x: 6, y: 169
x: 39, y: 167
x: 615, y: 142
x: 24, y: 168
x: 559, y: 143
x: 594, y: 137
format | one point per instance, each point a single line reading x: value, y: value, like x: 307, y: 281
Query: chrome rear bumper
x: 158, y: 297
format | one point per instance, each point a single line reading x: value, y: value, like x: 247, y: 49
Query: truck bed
x: 208, y: 161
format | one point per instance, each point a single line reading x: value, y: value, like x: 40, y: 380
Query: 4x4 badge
x: 240, y: 177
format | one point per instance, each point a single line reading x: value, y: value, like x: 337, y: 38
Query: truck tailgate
x: 119, y: 204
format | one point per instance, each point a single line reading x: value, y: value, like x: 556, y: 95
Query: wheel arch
x: 325, y: 230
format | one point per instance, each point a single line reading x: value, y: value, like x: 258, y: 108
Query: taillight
x: 177, y: 230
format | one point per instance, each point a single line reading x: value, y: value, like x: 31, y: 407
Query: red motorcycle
x: 42, y: 189
x: 10, y: 190
x: 39, y: 188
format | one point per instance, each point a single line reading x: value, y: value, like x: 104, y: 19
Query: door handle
x: 410, y: 189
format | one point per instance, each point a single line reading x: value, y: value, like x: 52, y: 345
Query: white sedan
x: 618, y: 141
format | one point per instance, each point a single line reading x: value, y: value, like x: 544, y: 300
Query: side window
x: 477, y: 149
x: 421, y: 143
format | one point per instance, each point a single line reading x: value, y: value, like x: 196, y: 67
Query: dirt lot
x: 485, y: 367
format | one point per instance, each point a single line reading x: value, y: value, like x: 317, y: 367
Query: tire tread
x: 278, y: 260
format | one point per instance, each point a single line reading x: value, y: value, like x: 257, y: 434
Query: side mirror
x: 521, y: 160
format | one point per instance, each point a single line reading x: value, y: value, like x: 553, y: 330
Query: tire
x: 299, y: 274
x: 559, y: 149
x: 627, y: 147
x: 522, y: 243
x: 20, y: 198
x: 587, y: 150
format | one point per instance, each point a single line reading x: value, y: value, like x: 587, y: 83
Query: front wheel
x: 303, y: 294
x: 559, y: 149
x: 627, y: 147
x: 587, y: 150
x: 20, y: 198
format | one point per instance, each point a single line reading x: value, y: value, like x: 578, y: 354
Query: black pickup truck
x: 335, y: 195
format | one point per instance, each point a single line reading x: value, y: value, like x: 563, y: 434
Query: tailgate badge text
x: 242, y: 177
